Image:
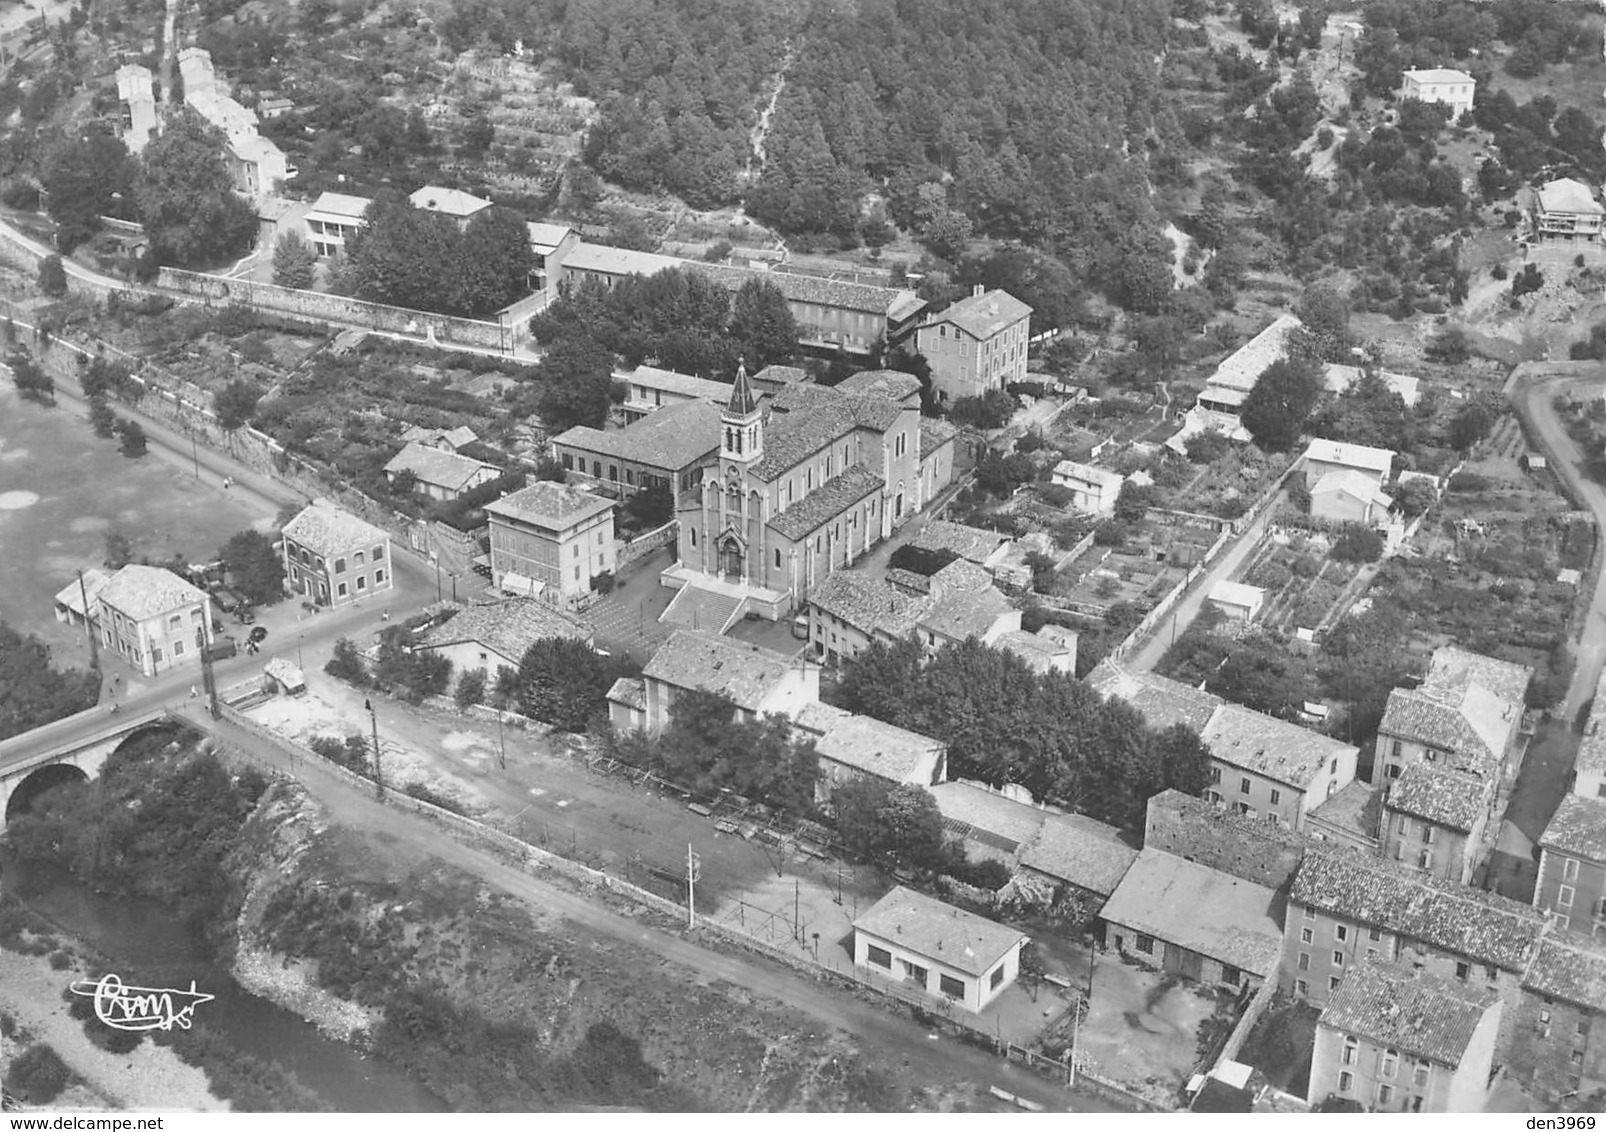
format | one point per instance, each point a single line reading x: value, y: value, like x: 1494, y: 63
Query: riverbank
x: 151, y: 1077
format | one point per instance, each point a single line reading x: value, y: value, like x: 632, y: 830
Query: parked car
x: 224, y: 647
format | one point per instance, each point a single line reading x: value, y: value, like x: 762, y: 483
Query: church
x: 808, y: 480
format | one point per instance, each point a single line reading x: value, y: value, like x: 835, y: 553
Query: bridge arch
x: 37, y: 783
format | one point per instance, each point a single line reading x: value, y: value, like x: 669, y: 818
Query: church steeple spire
x: 742, y: 422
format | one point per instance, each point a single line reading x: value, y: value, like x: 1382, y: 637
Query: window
x: 176, y: 621
x: 340, y: 565
x: 1243, y: 786
x: 1351, y: 1046
x: 379, y: 576
x: 178, y: 648
x: 1414, y: 1104
x: 996, y: 978
x: 1564, y: 896
x: 777, y: 558
x: 1569, y: 868
x: 694, y: 536
x: 914, y: 971
x: 1461, y: 971
x: 1310, y: 912
x: 1374, y: 934
x: 951, y: 986
x: 1341, y: 932
x: 1304, y: 961
x: 1231, y: 975
x: 1145, y: 944
x: 1427, y: 834
x: 1346, y: 1082
x: 1332, y: 982
x: 357, y: 558
x: 1276, y: 797
x: 1371, y: 953
x: 1338, y: 958
x: 156, y: 656
x: 1302, y: 988
x: 1424, y: 859
x: 362, y: 583
x: 1577, y: 1057
x: 1419, y: 1075
x: 1385, y: 1094
x: 1405, y: 825
x: 379, y: 552
x: 880, y: 956
x: 1215, y: 774
x: 340, y: 588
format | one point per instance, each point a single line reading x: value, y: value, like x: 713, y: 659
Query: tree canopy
x: 32, y: 692
x: 419, y: 259
x: 184, y: 197
x: 1281, y: 401
x: 84, y: 179
x: 254, y: 566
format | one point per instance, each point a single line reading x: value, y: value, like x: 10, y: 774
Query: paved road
x: 892, y: 1035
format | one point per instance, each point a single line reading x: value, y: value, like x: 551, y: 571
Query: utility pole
x: 797, y: 925
x: 89, y: 629
x: 693, y: 872
x: 208, y: 676
x: 501, y: 742
x: 195, y: 453
x: 435, y: 558
x: 379, y: 781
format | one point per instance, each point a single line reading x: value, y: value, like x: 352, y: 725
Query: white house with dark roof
x: 454, y: 203
x: 1396, y: 1039
x: 153, y: 618
x: 854, y: 747
x: 1435, y: 818
x: 1440, y: 85
x: 937, y: 948
x: 333, y: 219
x: 670, y: 447
x: 439, y: 472
x: 334, y: 558
x: 1196, y: 922
x: 1466, y: 714
x: 649, y: 389
x: 1349, y: 496
x: 497, y: 635
x: 1093, y: 490
x: 1324, y: 456
x: 549, y: 540
x: 758, y: 681
x: 977, y: 344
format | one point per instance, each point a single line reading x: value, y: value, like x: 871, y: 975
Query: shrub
x: 37, y: 1075
x: 347, y: 664
x: 470, y: 687
x: 1356, y: 543
x: 60, y: 960
x: 1057, y: 495
x: 1467, y: 482
x: 1208, y: 447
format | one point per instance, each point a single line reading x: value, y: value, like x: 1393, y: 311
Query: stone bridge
x: 34, y: 762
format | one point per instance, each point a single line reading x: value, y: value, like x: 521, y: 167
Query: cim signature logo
x: 140, y: 1008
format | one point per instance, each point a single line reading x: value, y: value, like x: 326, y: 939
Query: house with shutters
x: 1438, y: 820
x: 757, y: 680
x: 335, y: 558
x: 549, y: 540
x: 1466, y: 714
x: 439, y: 473
x: 857, y: 747
x: 977, y: 344
x: 152, y: 618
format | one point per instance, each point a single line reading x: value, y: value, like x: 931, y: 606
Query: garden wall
x: 643, y: 545
x: 439, y: 328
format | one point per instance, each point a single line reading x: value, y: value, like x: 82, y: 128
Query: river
x: 140, y: 935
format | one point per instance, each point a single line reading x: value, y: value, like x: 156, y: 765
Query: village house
x: 1435, y: 819
x: 446, y: 439
x: 977, y: 344
x: 455, y: 203
x: 986, y: 548
x: 1326, y: 456
x: 550, y: 541
x: 332, y: 220
x: 1466, y: 714
x: 75, y: 604
x: 1349, y: 496
x: 1396, y: 1039
x: 1566, y: 209
x: 153, y: 619
x: 856, y: 747
x: 1571, y: 887
x: 1561, y: 1020
x: 1341, y: 379
x: 1353, y: 816
x: 438, y: 472
x: 1194, y: 922
x: 550, y: 243
x: 672, y: 447
x: 257, y: 166
x: 1093, y: 490
x: 490, y: 637
x: 1206, y: 834
x: 1219, y: 406
x: 1271, y: 770
x: 1239, y: 601
x: 1589, y: 768
x: 649, y: 389
x: 333, y: 557
x: 1051, y: 649
x: 1160, y: 700
x: 940, y: 949
x: 758, y: 681
x: 137, y: 95
x: 1444, y: 87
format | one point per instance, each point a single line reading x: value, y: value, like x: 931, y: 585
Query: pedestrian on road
x: 228, y: 482
x: 194, y: 691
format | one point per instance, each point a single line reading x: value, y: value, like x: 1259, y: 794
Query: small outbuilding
x: 941, y: 949
x: 1239, y: 601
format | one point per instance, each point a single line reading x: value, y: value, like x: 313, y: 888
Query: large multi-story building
x: 1466, y: 714
x: 1566, y: 209
x: 152, y: 618
x: 257, y: 166
x: 335, y: 558
x: 1571, y: 886
x: 1440, y: 85
x: 976, y: 345
x: 549, y: 541
x: 1436, y: 819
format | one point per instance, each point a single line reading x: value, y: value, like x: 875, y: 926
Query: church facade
x: 808, y: 480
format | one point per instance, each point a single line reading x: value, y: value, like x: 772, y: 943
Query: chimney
x: 976, y: 290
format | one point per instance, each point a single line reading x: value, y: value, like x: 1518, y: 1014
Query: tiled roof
x: 72, y: 594
x: 545, y: 238
x: 867, y: 744
x: 814, y: 289
x: 934, y: 434
x: 779, y: 376
x: 1218, y: 915
x: 1451, y: 798
x: 940, y: 932
x: 1087, y: 473
x: 874, y: 411
x: 890, y: 383
x: 982, y: 316
x: 1237, y: 593
x: 507, y: 628
x: 1243, y: 368
x: 1439, y: 75
x: 141, y: 592
x: 868, y: 604
x: 744, y: 673
x: 741, y: 401
x: 1571, y: 968
x: 550, y: 505
x: 1454, y: 666
x: 1578, y: 828
x: 1160, y: 700
x: 792, y: 436
x: 1417, y: 1013
x: 1591, y: 758
x: 1038, y: 651
x: 1270, y: 747
x: 437, y: 466
x: 667, y: 380
x: 453, y: 202
x: 1568, y: 195
x: 1458, y: 919
x: 970, y: 808
x: 1350, y: 809
x: 1375, y: 460
x: 672, y: 438
x: 341, y: 204
x: 967, y: 603
x: 326, y: 529
x: 1468, y: 704
x: 1087, y: 853
x: 826, y: 502
x: 456, y: 437
x: 605, y: 260
x: 1355, y: 482
x: 975, y: 544
x: 629, y: 691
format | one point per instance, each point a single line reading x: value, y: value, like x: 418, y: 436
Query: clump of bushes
x: 37, y: 1075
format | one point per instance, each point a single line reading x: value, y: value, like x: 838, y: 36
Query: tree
x: 133, y: 437
x: 254, y: 566
x: 493, y: 263
x: 119, y: 551
x: 32, y: 693
x: 564, y: 683
x: 347, y: 664
x: 52, y: 276
x: 762, y: 325
x: 705, y: 748
x: 101, y: 418
x: 185, y: 198
x: 1472, y: 423
x: 235, y: 404
x: 1358, y: 544
x: 84, y: 178
x: 1414, y: 496
x: 1277, y: 407
x: 576, y: 375
x: 294, y: 261
x: 470, y: 687
x: 31, y: 379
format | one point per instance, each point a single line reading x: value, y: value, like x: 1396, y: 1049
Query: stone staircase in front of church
x: 696, y: 608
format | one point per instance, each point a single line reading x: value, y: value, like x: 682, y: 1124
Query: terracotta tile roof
x: 673, y: 438
x: 1353, y: 482
x: 1271, y: 747
x: 945, y: 934
x: 1160, y: 700
x: 870, y: 745
x: 72, y: 594
x: 1569, y: 967
x: 1241, y: 369
x: 1350, y: 809
x: 507, y: 628
x: 1467, y: 705
x: 1421, y: 1015
x: 438, y: 467
x: 744, y: 673
x: 966, y: 604
x: 1451, y: 798
x: 975, y: 544
x: 1084, y: 852
x: 1464, y: 921
x: 668, y: 381
x: 826, y: 502
x: 1592, y: 748
x: 869, y: 605
x: 554, y: 506
x: 793, y: 435
x: 631, y: 692
x: 969, y: 809
x: 814, y: 289
x: 934, y: 434
x: 890, y: 383
x: 1378, y: 461
x: 455, y: 437
x: 1226, y: 918
x: 142, y: 592
x: 327, y: 530
x: 1456, y: 667
x: 982, y: 316
x: 1578, y: 828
